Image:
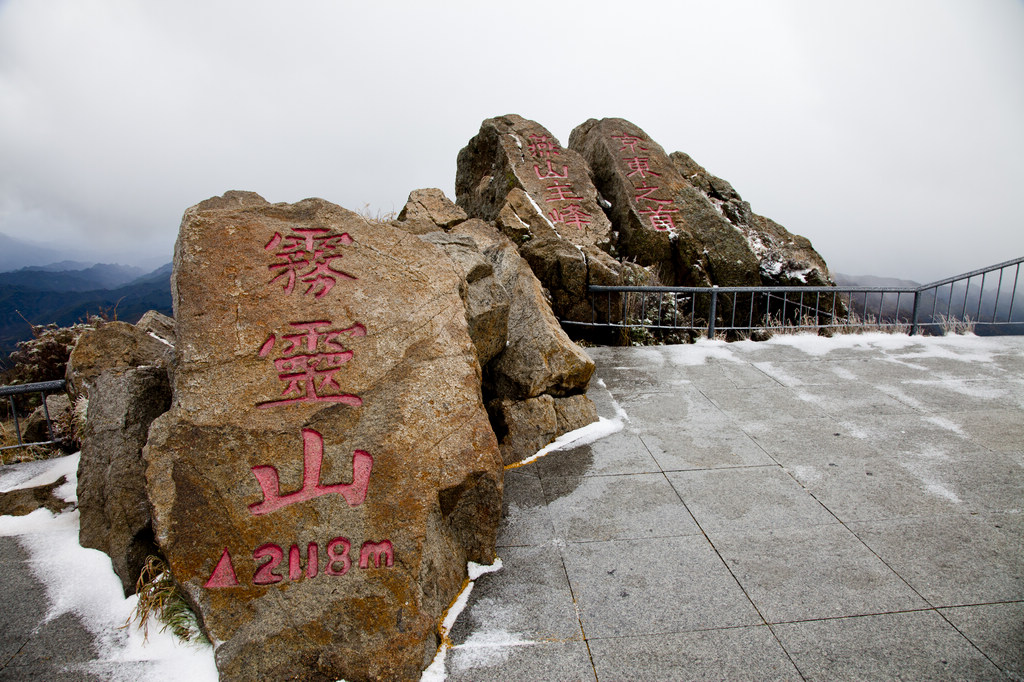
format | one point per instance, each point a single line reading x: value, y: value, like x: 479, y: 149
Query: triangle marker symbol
x: 224, y: 573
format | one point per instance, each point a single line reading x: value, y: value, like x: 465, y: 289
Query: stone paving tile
x: 751, y: 498
x: 644, y: 587
x: 654, y: 380
x: 703, y: 446
x: 729, y: 374
x: 519, y: 662
x: 996, y: 629
x: 677, y: 409
x: 619, y: 453
x: 616, y: 507
x: 524, y: 513
x: 533, y: 576
x: 919, y: 645
x: 808, y: 372
x: 729, y: 654
x: 851, y: 399
x: 811, y: 441
x: 953, y: 560
x: 876, y: 489
x: 812, y: 572
x: 955, y: 395
x: 999, y: 430
x: 772, y: 404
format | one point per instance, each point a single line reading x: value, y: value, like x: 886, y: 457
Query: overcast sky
x: 889, y: 132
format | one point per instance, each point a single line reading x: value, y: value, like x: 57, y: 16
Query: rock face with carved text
x: 327, y: 467
x: 515, y: 173
x: 661, y: 218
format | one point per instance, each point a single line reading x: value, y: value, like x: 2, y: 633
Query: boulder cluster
x: 316, y: 442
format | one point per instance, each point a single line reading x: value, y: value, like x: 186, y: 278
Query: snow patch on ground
x: 82, y: 582
x: 700, y: 352
x: 435, y: 671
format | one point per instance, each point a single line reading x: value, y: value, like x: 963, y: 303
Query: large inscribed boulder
x: 327, y: 467
x: 515, y: 173
x: 661, y: 219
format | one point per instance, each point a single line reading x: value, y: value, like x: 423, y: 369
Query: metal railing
x: 42, y: 388
x: 985, y: 300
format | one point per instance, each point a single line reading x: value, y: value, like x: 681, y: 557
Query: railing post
x: 913, y: 315
x: 711, y: 313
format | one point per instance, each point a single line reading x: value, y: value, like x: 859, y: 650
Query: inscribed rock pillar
x: 515, y: 173
x: 662, y: 220
x: 327, y: 467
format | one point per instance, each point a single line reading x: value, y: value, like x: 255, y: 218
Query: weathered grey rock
x: 35, y: 430
x: 327, y: 468
x: 523, y: 426
x: 486, y: 300
x: 114, y: 345
x: 112, y: 498
x: 662, y: 220
x: 540, y: 357
x: 158, y: 326
x: 785, y: 259
x: 429, y: 210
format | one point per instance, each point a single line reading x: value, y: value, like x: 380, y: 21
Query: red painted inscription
x: 308, y: 361
x: 269, y: 557
x: 312, y: 459
x: 573, y: 215
x: 658, y: 211
x: 307, y: 256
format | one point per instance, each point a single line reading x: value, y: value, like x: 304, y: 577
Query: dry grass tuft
x: 159, y: 596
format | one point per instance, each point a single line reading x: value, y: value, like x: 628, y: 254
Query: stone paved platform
x: 842, y: 509
x: 818, y: 509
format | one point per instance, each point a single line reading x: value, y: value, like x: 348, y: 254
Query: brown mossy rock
x: 784, y: 259
x: 540, y: 357
x: 574, y: 412
x: 26, y: 500
x: 113, y: 503
x: 114, y: 345
x: 328, y: 467
x: 429, y: 210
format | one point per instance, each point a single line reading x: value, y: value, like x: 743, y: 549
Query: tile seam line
x: 739, y: 584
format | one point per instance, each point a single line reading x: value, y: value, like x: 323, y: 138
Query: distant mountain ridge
x: 44, y: 294
x: 90, y: 278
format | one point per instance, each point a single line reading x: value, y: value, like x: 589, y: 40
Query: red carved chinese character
x: 661, y: 219
x: 542, y: 146
x: 644, y: 191
x: 309, y: 363
x: 561, y: 192
x: 312, y: 460
x: 641, y: 165
x: 307, y: 255
x: 573, y: 216
x: 551, y: 172
x: 629, y: 142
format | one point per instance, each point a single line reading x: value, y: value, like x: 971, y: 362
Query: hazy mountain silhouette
x: 41, y: 295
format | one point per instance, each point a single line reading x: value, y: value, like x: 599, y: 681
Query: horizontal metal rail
x: 42, y: 388
x: 982, y: 299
